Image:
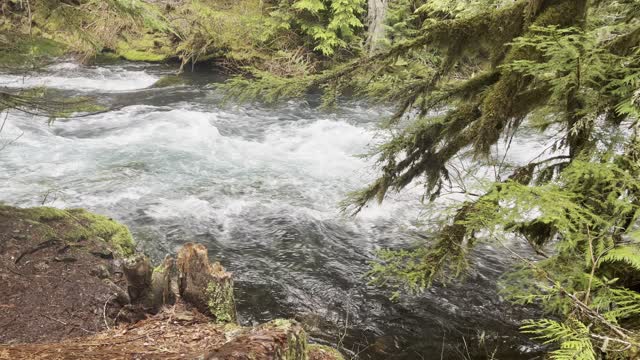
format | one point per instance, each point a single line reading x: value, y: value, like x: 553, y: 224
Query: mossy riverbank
x: 235, y: 34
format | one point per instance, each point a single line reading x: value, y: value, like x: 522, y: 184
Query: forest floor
x: 53, y: 287
x: 63, y: 295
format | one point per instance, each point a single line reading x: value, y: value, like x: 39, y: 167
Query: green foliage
x: 90, y: 26
x: 467, y: 74
x: 49, y: 103
x: 221, y: 301
x: 571, y: 336
x: 22, y: 51
x: 328, y: 24
x: 207, y: 30
x: 624, y: 254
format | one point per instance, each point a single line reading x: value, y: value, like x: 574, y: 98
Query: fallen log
x: 275, y: 340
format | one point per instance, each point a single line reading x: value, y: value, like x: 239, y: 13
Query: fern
x: 312, y: 6
x: 571, y: 337
x: 624, y: 304
x: 330, y: 24
x: 629, y: 255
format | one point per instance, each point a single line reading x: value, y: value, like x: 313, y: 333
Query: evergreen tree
x: 329, y: 24
x: 471, y: 76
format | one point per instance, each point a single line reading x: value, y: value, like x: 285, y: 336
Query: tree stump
x: 164, y: 289
x: 138, y: 271
x: 207, y: 287
x: 276, y: 340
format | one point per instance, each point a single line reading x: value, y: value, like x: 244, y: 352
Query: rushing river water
x: 260, y: 187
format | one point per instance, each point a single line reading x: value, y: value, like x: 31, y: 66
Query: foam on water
x: 68, y: 76
x: 308, y: 163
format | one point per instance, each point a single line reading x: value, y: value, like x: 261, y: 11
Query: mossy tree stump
x: 138, y: 272
x: 164, y: 284
x: 207, y: 287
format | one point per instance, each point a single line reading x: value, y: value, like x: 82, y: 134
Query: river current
x: 260, y: 186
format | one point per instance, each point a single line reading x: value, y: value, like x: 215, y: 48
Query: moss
x: 148, y: 48
x: 221, y: 301
x: 297, y: 344
x: 138, y: 55
x: 111, y: 231
x: 105, y: 58
x: 76, y: 224
x: 169, y: 80
x: 45, y: 214
x: 159, y: 269
x: 324, y: 352
x: 17, y: 50
x: 282, y: 324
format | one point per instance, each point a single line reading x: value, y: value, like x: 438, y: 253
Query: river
x: 260, y: 187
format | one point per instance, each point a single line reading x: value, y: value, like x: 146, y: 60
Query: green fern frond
x: 629, y: 255
x: 571, y: 337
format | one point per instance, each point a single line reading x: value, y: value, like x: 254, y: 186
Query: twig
x: 594, y: 264
x: 346, y: 324
x: 466, y: 348
x: 54, y: 319
x: 104, y: 312
x: 4, y: 121
x: 606, y: 340
x: 42, y: 245
x: 121, y: 342
x: 67, y: 324
x: 12, y: 141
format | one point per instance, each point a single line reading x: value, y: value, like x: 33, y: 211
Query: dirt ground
x: 63, y: 296
x: 54, y: 287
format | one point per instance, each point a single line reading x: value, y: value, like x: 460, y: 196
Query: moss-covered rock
x: 111, y: 231
x: 106, y: 58
x: 148, y: 48
x: 169, y: 80
x: 75, y: 225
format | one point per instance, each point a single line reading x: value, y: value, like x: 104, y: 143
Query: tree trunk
x: 377, y: 10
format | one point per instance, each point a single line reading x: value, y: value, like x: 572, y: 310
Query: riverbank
x: 67, y: 294
x: 233, y: 35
